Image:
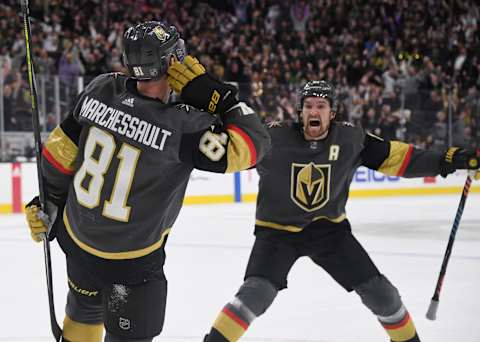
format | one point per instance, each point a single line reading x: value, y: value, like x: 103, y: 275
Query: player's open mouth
x: 314, y: 122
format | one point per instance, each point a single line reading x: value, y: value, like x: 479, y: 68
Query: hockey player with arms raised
x: 303, y: 189
x: 118, y: 167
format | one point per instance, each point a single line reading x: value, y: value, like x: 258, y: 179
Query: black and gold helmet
x: 148, y: 48
x: 318, y: 89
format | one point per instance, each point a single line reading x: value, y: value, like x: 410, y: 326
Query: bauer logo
x: 365, y: 175
x: 124, y: 323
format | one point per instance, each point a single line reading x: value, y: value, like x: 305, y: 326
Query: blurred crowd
x: 404, y: 69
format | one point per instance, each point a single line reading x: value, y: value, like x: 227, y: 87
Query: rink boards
x: 18, y: 184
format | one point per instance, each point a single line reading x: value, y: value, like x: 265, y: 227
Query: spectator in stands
x: 388, y: 123
x: 439, y: 132
x: 339, y: 40
x: 369, y: 122
x: 44, y: 64
x: 390, y: 84
x: 300, y: 13
x: 69, y: 68
x: 430, y: 106
x: 11, y: 123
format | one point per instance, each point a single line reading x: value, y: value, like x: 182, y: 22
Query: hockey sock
x: 81, y: 332
x: 231, y: 323
x: 252, y: 299
x: 399, y: 326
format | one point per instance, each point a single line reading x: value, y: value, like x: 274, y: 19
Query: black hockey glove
x: 199, y: 89
x: 457, y: 158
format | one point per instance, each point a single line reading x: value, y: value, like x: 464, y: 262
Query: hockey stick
x: 432, y: 309
x: 57, y: 332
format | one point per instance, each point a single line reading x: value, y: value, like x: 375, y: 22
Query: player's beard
x: 316, y: 132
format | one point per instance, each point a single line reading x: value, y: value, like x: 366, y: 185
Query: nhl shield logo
x: 124, y: 323
x: 310, y: 185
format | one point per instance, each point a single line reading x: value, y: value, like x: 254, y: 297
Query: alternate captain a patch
x: 310, y: 185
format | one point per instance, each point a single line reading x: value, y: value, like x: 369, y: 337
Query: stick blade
x: 432, y: 310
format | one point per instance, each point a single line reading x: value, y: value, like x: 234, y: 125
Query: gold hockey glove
x: 199, y: 89
x: 179, y: 74
x: 37, y: 220
x: 456, y: 158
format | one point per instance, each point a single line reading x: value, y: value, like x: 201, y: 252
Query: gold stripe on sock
x: 230, y: 329
x: 81, y: 332
x: 401, y: 332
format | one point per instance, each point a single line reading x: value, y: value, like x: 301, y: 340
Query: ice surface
x: 207, y: 253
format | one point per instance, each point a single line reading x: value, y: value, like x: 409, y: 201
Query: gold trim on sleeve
x: 61, y: 148
x: 238, y: 153
x: 394, y: 162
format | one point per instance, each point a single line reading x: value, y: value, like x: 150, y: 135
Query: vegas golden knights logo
x: 310, y: 188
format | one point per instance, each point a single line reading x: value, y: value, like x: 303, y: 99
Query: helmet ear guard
x: 149, y: 47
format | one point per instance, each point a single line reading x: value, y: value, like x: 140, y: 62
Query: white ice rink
x: 207, y: 254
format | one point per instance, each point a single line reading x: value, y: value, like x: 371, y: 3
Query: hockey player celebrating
x: 303, y: 189
x: 117, y: 167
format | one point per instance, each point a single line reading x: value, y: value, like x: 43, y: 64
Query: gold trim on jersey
x: 61, y: 148
x: 399, y: 152
x: 114, y: 255
x: 239, y: 152
x: 295, y: 229
x: 266, y: 224
x: 334, y: 220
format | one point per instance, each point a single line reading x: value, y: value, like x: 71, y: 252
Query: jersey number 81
x: 95, y: 168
